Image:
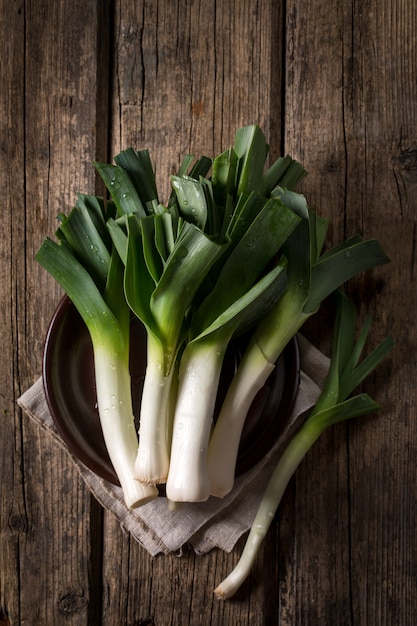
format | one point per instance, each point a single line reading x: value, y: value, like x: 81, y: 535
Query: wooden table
x: 334, y: 85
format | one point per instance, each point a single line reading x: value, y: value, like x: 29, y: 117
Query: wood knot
x: 331, y: 165
x: 73, y: 601
x: 18, y: 523
x: 66, y: 100
x: 407, y: 159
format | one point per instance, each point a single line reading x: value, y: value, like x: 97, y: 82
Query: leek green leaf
x: 284, y: 172
x: 94, y: 207
x: 139, y: 168
x: 151, y: 253
x: 79, y: 231
x: 118, y: 236
x: 138, y: 282
x: 335, y: 269
x: 121, y: 188
x: 253, y: 251
x: 251, y: 148
x: 224, y: 175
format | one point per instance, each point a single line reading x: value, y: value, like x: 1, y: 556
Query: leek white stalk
x: 117, y: 420
x: 254, y: 370
x: 152, y: 455
x: 224, y: 443
x: 198, y: 381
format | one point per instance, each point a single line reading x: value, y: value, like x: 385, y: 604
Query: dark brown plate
x: 68, y: 376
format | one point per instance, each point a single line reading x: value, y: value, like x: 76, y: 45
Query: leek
x: 99, y: 298
x: 256, y: 227
x: 161, y: 297
x: 199, y: 374
x: 332, y: 407
x: 312, y: 276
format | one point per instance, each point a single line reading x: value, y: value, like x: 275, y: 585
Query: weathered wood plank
x: 383, y: 122
x: 350, y: 116
x: 49, y: 119
x: 314, y: 525
x: 178, y: 588
x: 12, y: 506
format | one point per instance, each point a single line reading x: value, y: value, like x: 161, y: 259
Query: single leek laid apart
x: 333, y: 406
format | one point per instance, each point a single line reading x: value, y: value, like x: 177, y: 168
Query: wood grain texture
x: 357, y: 107
x: 49, y: 129
x: 188, y: 73
x: 334, y: 85
x: 12, y: 507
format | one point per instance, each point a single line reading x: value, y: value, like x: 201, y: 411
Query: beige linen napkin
x: 215, y: 523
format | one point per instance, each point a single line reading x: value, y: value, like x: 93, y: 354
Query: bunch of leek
x: 169, y: 254
x: 134, y: 254
x: 334, y: 405
x: 171, y: 257
x: 234, y: 251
